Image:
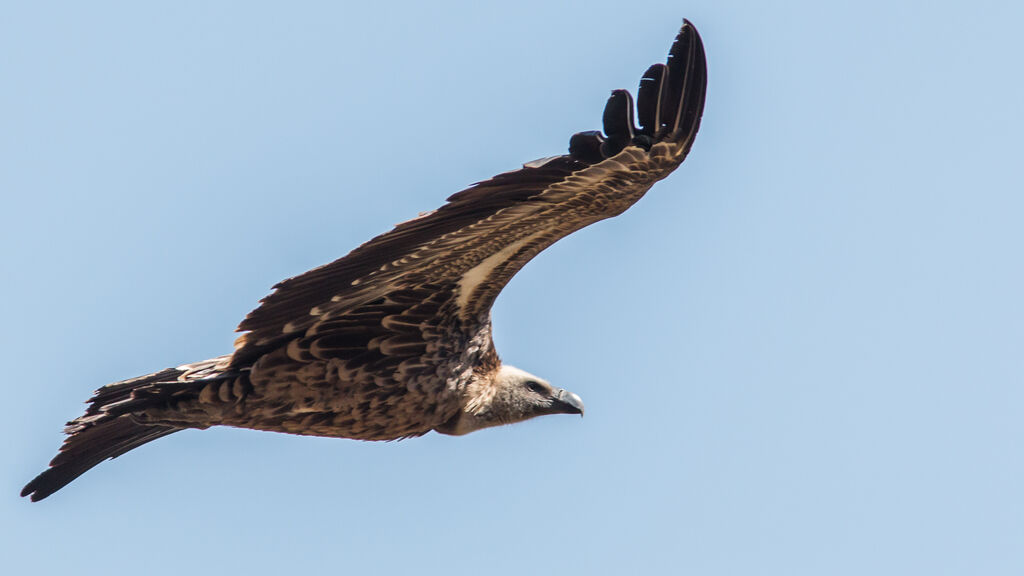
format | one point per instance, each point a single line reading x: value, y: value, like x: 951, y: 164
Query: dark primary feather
x: 687, y: 76
x: 618, y: 123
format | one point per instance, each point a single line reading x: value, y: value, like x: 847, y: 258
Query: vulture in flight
x: 394, y: 339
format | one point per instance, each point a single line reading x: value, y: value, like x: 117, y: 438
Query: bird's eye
x: 535, y: 386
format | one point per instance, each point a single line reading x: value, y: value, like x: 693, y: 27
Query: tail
x: 106, y: 430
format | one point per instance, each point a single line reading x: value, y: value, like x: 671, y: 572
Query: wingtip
x: 697, y: 41
x: 688, y: 25
x: 688, y: 38
x: 669, y: 106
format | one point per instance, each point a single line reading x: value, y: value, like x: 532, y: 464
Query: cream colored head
x: 510, y: 395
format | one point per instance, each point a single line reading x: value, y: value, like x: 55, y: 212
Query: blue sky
x: 800, y: 354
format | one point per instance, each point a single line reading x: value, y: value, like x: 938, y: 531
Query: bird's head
x: 510, y: 395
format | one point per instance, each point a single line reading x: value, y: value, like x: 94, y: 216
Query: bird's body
x: 394, y: 339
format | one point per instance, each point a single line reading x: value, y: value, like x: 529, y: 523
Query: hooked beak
x: 566, y: 402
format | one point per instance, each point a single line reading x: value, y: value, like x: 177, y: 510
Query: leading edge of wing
x: 293, y: 299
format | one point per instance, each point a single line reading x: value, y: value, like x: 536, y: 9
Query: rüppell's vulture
x: 394, y: 339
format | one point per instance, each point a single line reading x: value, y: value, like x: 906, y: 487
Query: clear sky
x: 800, y: 354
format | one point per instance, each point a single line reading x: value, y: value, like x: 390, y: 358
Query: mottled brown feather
x: 394, y: 339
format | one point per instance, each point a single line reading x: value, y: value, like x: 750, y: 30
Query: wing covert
x: 472, y: 245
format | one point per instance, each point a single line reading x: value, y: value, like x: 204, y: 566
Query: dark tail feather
x: 107, y: 430
x: 90, y: 446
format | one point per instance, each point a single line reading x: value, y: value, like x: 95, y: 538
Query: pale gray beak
x: 566, y: 402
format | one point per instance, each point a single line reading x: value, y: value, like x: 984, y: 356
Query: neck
x: 477, y: 400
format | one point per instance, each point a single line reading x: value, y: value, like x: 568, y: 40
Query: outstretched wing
x: 466, y: 251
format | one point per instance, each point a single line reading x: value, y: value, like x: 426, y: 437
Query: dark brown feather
x: 537, y: 205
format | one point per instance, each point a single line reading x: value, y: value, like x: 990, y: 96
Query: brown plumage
x: 394, y: 339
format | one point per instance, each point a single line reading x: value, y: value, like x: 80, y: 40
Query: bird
x: 393, y: 340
